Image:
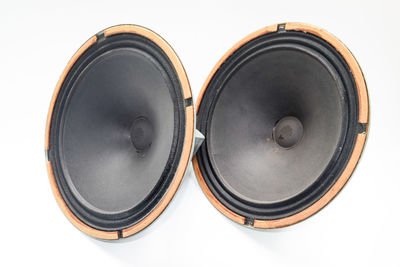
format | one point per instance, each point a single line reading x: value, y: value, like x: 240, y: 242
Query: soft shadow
x: 124, y: 249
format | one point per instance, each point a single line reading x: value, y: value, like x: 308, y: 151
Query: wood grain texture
x: 358, y: 148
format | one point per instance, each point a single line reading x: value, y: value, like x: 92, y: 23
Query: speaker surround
x: 119, y: 132
x: 285, y: 119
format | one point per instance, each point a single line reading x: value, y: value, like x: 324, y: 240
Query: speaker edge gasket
x: 359, y: 143
x: 186, y: 150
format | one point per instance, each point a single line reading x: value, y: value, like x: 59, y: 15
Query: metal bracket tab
x: 198, y: 141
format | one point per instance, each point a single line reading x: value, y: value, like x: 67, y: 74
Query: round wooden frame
x: 187, y: 147
x: 358, y: 147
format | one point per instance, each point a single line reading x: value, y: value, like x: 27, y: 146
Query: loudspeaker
x: 285, y: 118
x: 119, y: 132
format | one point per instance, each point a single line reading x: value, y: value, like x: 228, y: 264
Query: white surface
x: 360, y: 227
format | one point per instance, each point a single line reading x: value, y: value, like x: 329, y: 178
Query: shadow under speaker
x: 283, y: 116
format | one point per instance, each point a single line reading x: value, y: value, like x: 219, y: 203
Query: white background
x: 360, y: 227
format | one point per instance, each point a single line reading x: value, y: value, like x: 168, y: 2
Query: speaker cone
x: 119, y: 132
x: 285, y: 117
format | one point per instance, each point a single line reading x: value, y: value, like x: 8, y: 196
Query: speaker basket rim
x: 187, y: 145
x: 363, y: 118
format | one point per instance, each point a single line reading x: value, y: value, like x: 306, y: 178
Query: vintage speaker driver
x: 119, y: 132
x: 285, y: 118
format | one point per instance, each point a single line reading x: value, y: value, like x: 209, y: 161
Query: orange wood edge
x: 363, y: 114
x: 224, y: 210
x: 322, y: 202
x: 187, y: 93
x: 71, y: 62
x: 358, y: 148
x: 71, y: 217
x: 189, y: 133
x: 177, y: 179
x: 269, y: 29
